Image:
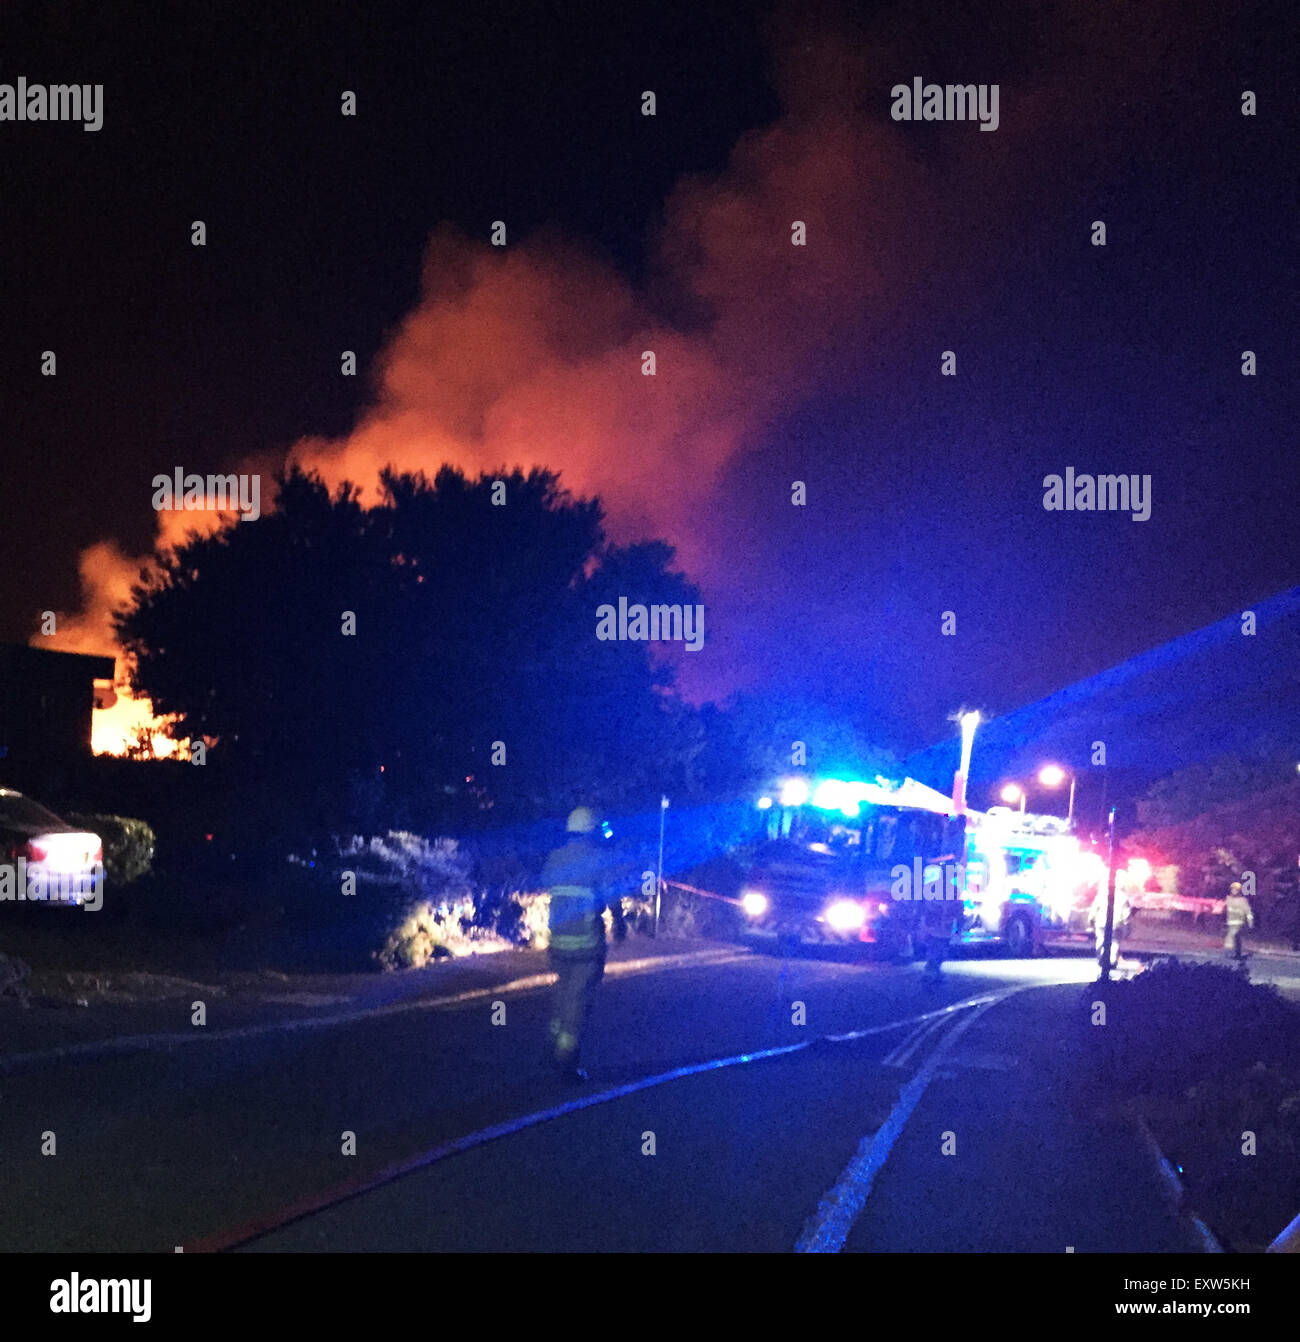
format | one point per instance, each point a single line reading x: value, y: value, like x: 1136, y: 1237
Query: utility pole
x: 1110, y: 902
x: 659, y: 876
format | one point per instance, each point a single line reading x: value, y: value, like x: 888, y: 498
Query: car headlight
x: 844, y: 915
x: 754, y: 902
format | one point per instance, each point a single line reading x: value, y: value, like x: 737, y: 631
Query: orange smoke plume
x: 815, y: 240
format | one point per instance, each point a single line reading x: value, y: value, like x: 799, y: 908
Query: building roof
x: 20, y: 659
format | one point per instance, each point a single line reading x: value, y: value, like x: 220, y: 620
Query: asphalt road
x: 168, y: 1147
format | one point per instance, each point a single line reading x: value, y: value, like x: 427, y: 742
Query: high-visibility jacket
x: 1238, y: 911
x: 573, y: 875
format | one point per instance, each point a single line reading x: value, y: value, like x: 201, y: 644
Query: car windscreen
x: 21, y: 813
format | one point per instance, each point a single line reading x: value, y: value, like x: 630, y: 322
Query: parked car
x: 64, y: 862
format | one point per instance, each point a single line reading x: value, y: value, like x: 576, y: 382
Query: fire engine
x: 1035, y: 882
x: 849, y: 862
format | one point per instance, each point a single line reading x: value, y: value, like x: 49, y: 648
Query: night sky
x: 672, y: 232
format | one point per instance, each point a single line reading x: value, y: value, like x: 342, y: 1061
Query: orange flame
x: 123, y: 723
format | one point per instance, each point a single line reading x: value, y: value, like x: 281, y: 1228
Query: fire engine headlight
x: 754, y: 902
x: 844, y: 915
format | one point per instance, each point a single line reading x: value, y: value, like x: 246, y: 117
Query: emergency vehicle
x: 857, y: 863
x: 829, y: 868
x: 1035, y: 882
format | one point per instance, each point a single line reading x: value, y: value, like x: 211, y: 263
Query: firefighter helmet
x: 582, y: 820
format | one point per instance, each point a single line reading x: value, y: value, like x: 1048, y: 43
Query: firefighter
x: 938, y: 920
x: 1237, y: 915
x: 573, y: 876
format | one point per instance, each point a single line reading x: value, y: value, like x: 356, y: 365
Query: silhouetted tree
x: 475, y: 639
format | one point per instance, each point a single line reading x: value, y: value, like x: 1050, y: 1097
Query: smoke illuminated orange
x: 539, y: 352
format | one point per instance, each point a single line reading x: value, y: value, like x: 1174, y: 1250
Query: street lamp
x: 1052, y: 775
x: 1012, y: 794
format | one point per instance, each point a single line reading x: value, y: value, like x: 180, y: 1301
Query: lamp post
x: 1011, y: 794
x: 1110, y: 900
x: 659, y: 876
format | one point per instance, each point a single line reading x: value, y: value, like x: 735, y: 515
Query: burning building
x: 46, y: 702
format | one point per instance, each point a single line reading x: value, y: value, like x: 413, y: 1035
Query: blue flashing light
x: 834, y: 794
x: 830, y: 794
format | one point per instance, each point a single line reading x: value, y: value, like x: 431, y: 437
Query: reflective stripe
x: 575, y: 918
x: 562, y: 941
x: 571, y: 875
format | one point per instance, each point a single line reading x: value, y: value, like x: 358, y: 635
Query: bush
x: 429, y: 931
x: 405, y: 866
x: 416, y: 901
x: 1180, y: 1025
x: 682, y: 913
x: 685, y: 914
x: 128, y: 845
x: 420, y: 937
x: 1248, y: 1198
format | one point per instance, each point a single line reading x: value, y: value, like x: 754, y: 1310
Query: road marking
x: 359, y: 1185
x: 891, y: 1059
x: 914, y: 1020
x: 828, y: 1227
x: 907, y: 1050
x: 139, y: 1043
